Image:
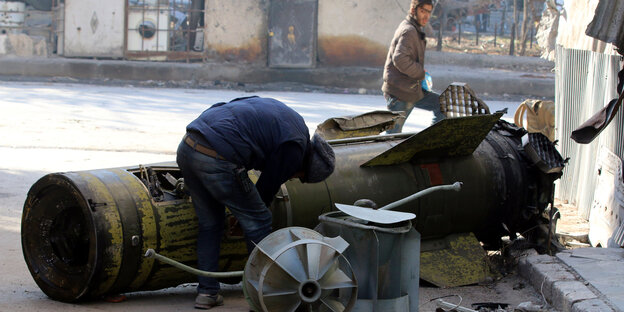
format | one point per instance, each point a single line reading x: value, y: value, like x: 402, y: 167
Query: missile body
x: 84, y: 233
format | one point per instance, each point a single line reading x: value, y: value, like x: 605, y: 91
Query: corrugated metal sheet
x: 585, y: 82
x: 608, y: 23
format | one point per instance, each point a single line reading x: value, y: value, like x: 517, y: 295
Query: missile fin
x: 449, y: 137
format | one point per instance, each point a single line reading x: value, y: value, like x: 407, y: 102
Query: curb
x: 490, y: 81
x: 560, y: 285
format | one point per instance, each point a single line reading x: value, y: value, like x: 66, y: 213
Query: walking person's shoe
x: 206, y: 301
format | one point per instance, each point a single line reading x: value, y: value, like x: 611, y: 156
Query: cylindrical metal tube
x: 500, y: 185
x: 84, y: 233
x: 451, y: 187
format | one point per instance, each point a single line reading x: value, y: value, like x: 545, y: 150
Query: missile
x: 84, y: 233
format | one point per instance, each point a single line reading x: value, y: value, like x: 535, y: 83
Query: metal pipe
x: 452, y: 187
x: 151, y: 253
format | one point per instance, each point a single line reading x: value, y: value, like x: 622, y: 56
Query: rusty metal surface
x: 350, y: 50
x: 127, y: 202
x: 292, y: 33
x: 93, y: 240
x: 608, y: 23
x: 449, y: 137
x: 371, y: 123
x: 491, y: 175
x: 459, y: 100
x: 252, y: 51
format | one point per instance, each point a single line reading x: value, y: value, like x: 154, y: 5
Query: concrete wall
x: 357, y: 32
x: 349, y: 32
x: 236, y: 30
x: 94, y: 28
x: 22, y: 45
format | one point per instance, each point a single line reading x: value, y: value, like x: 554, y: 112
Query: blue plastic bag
x: 427, y: 83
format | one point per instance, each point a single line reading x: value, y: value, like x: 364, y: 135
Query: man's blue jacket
x: 256, y: 133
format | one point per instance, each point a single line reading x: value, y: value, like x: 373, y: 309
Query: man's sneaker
x: 206, y: 301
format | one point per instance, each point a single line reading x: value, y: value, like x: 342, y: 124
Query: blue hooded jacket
x: 256, y: 133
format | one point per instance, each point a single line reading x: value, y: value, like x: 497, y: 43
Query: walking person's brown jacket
x: 405, y: 64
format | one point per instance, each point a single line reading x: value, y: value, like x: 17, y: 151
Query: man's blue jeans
x: 213, y: 184
x: 430, y: 102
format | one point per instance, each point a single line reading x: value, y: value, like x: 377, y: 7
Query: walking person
x: 219, y: 147
x: 404, y: 69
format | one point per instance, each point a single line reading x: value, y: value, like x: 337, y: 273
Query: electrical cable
x: 447, y: 296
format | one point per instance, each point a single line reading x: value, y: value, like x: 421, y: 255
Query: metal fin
x: 449, y: 137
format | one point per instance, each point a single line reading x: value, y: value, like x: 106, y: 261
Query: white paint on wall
x: 375, y: 20
x: 607, y: 208
x: 94, y: 28
x: 235, y: 23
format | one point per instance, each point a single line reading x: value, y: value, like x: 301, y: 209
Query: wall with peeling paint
x: 236, y: 30
x: 357, y: 32
x: 94, y: 28
x: 349, y: 33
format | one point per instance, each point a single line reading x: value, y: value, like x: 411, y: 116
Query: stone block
x: 591, y: 305
x: 543, y: 275
x: 566, y: 293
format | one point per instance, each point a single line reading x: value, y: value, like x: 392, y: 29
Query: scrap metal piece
x: 384, y: 258
x: 377, y: 216
x: 448, y: 137
x: 84, y: 234
x: 542, y: 152
x: 458, y: 100
x: 297, y: 267
x: 608, y: 23
x: 455, y: 260
x: 371, y: 123
x: 78, y: 227
x: 384, y: 216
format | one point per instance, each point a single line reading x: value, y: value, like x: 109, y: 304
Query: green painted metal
x: 455, y: 260
x: 449, y: 137
x: 500, y: 185
x: 84, y: 235
x: 115, y: 215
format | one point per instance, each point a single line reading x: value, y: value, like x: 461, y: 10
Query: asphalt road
x: 48, y: 127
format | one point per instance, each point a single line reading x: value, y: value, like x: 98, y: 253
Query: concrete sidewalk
x: 583, y: 279
x: 486, y: 74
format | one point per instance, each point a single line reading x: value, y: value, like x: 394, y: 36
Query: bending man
x: 219, y: 147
